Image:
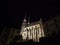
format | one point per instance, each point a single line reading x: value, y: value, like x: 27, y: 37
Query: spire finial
x: 29, y: 17
x: 25, y: 14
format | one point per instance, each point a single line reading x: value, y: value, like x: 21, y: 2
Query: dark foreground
x: 43, y: 41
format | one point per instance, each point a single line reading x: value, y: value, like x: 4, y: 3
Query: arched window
x: 38, y: 30
x: 27, y: 30
x: 30, y: 31
x: 27, y: 33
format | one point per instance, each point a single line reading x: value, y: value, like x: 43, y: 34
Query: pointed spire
x: 25, y: 15
x: 29, y: 17
x: 25, y: 18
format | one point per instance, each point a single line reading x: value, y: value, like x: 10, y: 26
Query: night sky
x: 16, y: 15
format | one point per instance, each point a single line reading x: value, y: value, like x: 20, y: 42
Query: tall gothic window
x: 38, y: 30
x: 30, y: 31
x: 27, y: 33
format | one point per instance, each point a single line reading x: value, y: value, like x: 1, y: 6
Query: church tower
x: 24, y: 23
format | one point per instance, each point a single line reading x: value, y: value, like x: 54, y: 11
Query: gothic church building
x: 32, y: 31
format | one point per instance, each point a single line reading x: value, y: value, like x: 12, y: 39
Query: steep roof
x: 34, y: 23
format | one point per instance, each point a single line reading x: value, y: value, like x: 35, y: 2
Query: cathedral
x: 32, y: 31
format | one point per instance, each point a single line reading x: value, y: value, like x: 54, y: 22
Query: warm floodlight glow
x: 34, y: 32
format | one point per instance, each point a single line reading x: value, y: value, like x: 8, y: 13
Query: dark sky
x: 16, y: 15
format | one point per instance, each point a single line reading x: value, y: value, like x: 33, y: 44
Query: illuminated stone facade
x: 32, y: 31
